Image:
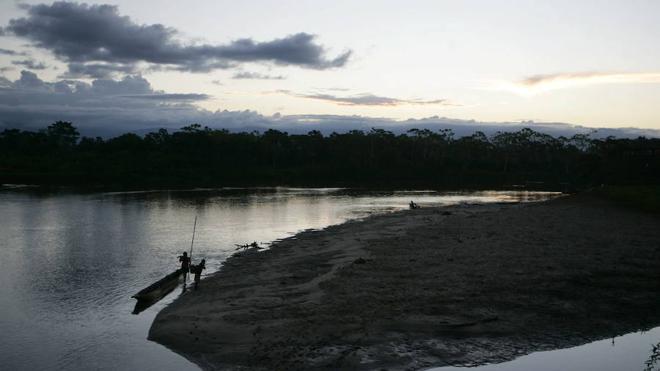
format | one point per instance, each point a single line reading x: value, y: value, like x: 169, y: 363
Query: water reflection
x: 653, y: 358
x: 627, y: 352
x: 72, y: 261
x: 153, y: 293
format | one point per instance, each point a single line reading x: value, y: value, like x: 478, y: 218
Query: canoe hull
x: 160, y: 288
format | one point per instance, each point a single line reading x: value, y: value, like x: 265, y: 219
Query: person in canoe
x: 197, y: 270
x: 185, y: 262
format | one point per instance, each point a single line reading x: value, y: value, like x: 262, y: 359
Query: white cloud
x: 541, y: 83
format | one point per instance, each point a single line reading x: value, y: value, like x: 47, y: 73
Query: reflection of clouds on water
x: 627, y: 352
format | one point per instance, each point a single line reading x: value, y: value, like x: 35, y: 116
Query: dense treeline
x: 196, y: 156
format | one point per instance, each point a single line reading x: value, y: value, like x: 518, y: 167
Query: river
x: 71, y: 261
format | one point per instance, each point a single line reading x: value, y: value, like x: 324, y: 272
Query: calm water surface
x: 624, y: 353
x: 72, y: 261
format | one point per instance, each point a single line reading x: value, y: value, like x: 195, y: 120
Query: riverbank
x: 429, y: 287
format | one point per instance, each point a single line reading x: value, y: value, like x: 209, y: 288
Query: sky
x: 126, y: 65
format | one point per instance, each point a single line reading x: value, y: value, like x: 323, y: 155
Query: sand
x: 461, y: 285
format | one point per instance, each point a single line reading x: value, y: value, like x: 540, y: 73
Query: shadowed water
x: 72, y: 261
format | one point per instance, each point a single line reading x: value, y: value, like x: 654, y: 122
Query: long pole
x: 185, y: 276
x: 193, y: 238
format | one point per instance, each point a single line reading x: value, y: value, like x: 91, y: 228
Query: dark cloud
x: 11, y: 52
x: 368, y: 100
x: 82, y: 33
x: 106, y: 106
x: 110, y: 107
x: 256, y: 76
x: 98, y: 70
x: 217, y: 82
x: 6, y: 68
x: 31, y: 64
x: 103, y: 105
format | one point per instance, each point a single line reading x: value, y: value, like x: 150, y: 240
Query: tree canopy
x: 199, y: 156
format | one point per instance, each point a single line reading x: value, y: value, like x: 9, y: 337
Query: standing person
x: 185, y: 262
x: 198, y: 271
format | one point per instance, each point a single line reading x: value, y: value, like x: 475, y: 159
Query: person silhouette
x: 198, y: 271
x: 185, y: 262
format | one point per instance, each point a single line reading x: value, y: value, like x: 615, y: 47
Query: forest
x: 197, y: 156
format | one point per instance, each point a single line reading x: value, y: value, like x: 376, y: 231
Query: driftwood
x: 253, y: 245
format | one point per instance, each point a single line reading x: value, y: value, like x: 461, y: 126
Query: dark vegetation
x: 198, y: 156
x: 641, y: 197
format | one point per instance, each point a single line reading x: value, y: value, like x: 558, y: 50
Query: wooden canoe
x: 161, y: 287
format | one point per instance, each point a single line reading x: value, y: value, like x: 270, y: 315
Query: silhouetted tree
x: 62, y: 134
x: 199, y: 156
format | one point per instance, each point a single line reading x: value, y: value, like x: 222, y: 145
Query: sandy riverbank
x: 427, y: 287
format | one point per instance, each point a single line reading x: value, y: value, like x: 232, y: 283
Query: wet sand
x: 461, y: 285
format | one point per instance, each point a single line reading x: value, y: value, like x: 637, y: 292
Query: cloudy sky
x: 127, y: 65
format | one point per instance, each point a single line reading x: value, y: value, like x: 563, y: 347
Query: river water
x: 631, y: 352
x: 71, y: 261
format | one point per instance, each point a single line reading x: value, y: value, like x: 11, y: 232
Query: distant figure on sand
x: 413, y: 205
x: 198, y: 271
x: 185, y: 262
